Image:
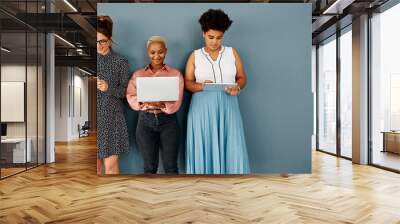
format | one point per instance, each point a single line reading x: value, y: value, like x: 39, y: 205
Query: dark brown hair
x: 105, y: 26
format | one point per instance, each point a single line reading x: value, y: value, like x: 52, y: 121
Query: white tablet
x: 155, y: 89
x: 217, y: 86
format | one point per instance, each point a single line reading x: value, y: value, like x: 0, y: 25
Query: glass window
x: 15, y: 150
x: 32, y: 97
x: 314, y: 91
x: 346, y: 92
x: 22, y: 91
x: 327, y: 95
x: 385, y: 88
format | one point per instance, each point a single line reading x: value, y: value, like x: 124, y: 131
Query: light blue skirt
x: 215, y: 142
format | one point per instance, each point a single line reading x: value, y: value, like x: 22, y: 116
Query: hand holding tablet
x: 230, y: 88
x: 217, y: 86
x: 233, y: 90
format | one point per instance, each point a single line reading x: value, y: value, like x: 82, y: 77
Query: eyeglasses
x: 102, y: 42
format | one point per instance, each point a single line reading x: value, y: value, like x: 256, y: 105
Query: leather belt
x: 154, y: 111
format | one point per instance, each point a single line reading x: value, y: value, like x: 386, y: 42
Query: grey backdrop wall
x: 274, y: 41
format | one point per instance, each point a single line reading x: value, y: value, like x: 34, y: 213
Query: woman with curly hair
x: 215, y: 142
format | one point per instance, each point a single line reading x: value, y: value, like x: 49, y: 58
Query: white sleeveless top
x: 223, y: 70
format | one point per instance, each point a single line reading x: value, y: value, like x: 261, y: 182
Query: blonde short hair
x: 156, y: 39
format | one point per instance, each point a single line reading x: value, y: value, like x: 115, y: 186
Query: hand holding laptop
x: 152, y: 105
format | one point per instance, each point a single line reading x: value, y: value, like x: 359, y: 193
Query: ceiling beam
x: 81, y: 61
x: 84, y: 24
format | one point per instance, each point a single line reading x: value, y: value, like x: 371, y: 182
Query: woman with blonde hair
x: 157, y: 127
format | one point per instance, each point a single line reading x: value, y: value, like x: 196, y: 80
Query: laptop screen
x: 153, y: 89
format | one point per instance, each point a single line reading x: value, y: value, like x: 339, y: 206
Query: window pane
x: 14, y: 153
x: 31, y: 97
x: 385, y: 88
x: 327, y: 96
x: 346, y: 93
x: 41, y: 98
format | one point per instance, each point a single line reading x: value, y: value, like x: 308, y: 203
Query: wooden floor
x: 5, y: 172
x: 69, y: 191
x: 386, y: 159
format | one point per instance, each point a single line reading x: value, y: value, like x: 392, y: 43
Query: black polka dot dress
x: 112, y: 132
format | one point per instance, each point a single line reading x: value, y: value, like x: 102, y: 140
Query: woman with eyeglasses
x: 112, y: 80
x: 215, y: 142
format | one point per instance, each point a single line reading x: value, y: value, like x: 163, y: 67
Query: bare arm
x: 240, y: 75
x: 241, y: 78
x: 190, y: 80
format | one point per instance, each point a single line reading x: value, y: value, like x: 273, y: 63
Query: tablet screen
x: 217, y: 86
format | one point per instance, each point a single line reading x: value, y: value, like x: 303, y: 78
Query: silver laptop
x: 154, y: 89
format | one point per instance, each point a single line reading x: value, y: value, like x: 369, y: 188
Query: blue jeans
x: 154, y: 133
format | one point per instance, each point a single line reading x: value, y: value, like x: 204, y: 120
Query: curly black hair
x: 215, y: 19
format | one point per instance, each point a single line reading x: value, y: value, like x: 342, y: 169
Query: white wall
x: 14, y: 73
x: 70, y: 84
x: 17, y: 73
x: 79, y: 103
x: 61, y: 103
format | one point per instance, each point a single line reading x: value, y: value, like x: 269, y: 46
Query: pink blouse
x: 170, y: 106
